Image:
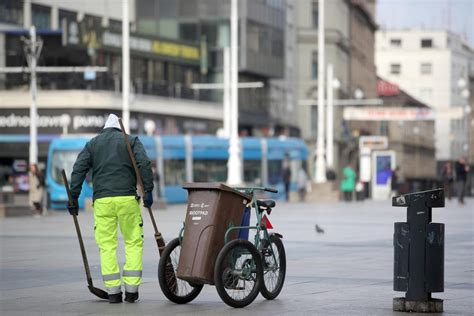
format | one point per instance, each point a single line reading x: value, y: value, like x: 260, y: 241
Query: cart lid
x: 213, y: 186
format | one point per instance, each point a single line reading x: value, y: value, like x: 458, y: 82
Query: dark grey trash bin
x: 419, y: 253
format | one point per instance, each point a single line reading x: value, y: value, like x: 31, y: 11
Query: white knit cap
x: 112, y: 122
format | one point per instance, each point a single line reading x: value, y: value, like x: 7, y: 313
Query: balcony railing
x: 107, y: 82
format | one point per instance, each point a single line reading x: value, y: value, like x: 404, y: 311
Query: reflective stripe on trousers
x: 124, y: 211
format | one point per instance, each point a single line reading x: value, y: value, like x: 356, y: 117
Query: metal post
x: 320, y: 167
x: 33, y: 112
x: 226, y: 95
x: 188, y: 159
x: 27, y: 14
x: 125, y: 66
x: 234, y: 165
x: 264, y: 163
x: 330, y: 119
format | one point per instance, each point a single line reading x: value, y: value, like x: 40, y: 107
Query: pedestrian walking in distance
x: 461, y: 178
x: 448, y: 179
x: 36, y: 181
x: 302, y: 182
x: 348, y: 182
x: 394, y: 182
x: 115, y: 202
x: 287, y: 177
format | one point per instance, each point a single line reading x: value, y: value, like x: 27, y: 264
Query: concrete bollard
x: 419, y: 253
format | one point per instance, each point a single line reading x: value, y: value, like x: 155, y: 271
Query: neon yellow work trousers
x: 125, y: 211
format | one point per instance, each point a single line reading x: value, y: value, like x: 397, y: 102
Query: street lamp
x: 320, y: 167
x: 332, y: 84
x: 234, y: 165
x: 33, y: 50
x: 358, y: 94
x: 125, y: 66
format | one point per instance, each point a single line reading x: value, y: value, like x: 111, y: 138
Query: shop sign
x: 388, y: 114
x: 75, y: 121
x: 158, y: 47
x: 96, y: 37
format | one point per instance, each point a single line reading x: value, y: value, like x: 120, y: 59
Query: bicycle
x: 242, y: 269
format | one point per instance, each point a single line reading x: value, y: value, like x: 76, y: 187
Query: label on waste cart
x: 197, y: 211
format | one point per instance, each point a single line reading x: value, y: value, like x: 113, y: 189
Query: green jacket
x: 112, y: 170
x: 348, y: 183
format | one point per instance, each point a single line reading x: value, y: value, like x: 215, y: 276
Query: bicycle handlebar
x: 258, y: 189
x: 271, y: 190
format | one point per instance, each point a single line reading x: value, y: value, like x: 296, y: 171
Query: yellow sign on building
x: 175, y: 50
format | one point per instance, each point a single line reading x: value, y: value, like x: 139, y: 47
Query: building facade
x: 362, y: 73
x: 283, y: 103
x: 349, y: 43
x: 262, y: 49
x: 88, y: 33
x: 337, y: 53
x: 412, y: 140
x: 431, y: 66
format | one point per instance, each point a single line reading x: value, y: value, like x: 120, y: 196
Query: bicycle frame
x: 258, y: 227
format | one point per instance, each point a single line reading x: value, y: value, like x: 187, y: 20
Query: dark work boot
x: 131, y: 297
x: 115, y: 298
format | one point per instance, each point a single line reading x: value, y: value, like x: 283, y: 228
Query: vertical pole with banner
x: 32, y: 56
x: 320, y: 167
x: 330, y: 119
x: 234, y: 165
x: 226, y: 94
x: 125, y: 66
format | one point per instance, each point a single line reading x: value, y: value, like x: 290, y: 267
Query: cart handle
x: 251, y: 189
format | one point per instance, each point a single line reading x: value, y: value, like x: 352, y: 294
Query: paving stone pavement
x: 348, y: 270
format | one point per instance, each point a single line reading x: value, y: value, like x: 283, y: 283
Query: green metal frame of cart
x: 258, y: 227
x: 252, y: 263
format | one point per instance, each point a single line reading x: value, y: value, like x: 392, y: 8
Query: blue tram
x: 185, y: 158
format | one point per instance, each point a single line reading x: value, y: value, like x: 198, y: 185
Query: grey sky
x: 455, y: 15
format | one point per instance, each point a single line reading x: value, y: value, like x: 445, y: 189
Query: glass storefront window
x: 188, y: 32
x: 41, y: 16
x: 175, y: 171
x: 147, y: 26
x: 275, y: 172
x: 252, y: 172
x: 11, y: 11
x: 66, y: 16
x: 115, y: 25
x: 210, y: 170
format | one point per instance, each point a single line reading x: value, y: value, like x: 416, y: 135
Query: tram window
x: 253, y: 172
x: 175, y: 172
x: 63, y: 160
x: 210, y: 170
x: 275, y: 171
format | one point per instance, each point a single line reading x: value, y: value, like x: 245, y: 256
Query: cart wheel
x: 274, y: 266
x: 176, y: 290
x: 238, y: 273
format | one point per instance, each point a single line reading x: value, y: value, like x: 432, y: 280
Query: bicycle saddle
x: 266, y: 204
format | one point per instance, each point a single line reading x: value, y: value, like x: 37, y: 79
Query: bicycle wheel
x: 176, y: 290
x: 238, y: 273
x: 274, y: 267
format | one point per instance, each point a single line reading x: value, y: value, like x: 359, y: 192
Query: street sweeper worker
x: 115, y: 201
